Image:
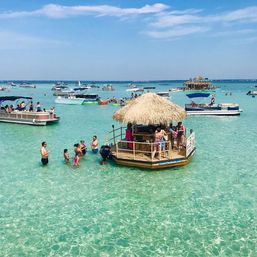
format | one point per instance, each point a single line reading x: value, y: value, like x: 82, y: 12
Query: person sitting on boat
x: 181, y: 132
x: 94, y: 144
x: 10, y: 109
x: 31, y: 107
x: 193, y: 104
x: 22, y: 106
x: 52, y: 110
x: 38, y: 107
x: 6, y: 108
x: 129, y: 136
x: 212, y: 100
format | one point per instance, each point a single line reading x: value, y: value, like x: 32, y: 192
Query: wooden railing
x: 133, y: 148
x: 28, y: 115
x: 116, y: 137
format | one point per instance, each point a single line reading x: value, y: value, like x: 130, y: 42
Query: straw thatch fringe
x: 150, y: 109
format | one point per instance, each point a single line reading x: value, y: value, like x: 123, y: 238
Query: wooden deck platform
x: 128, y: 154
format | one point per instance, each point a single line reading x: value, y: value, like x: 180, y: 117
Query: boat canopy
x: 12, y: 98
x: 195, y: 95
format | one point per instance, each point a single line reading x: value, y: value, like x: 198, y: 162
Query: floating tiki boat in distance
x: 222, y: 109
x: 199, y: 83
x: 147, y: 112
x: 25, y: 117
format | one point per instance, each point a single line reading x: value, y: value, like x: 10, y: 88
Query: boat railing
x: 190, y: 144
x: 150, y: 149
x: 116, y: 134
x: 28, y: 115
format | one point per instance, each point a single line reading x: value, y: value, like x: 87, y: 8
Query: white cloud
x: 176, y: 32
x: 181, y: 23
x: 163, y: 22
x: 60, y: 11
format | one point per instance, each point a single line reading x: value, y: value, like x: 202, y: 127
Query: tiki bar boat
x: 144, y: 115
x: 21, y: 115
x: 198, y: 83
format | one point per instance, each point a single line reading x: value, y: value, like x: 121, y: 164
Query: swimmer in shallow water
x: 44, y: 153
x: 76, y: 160
x: 66, y: 155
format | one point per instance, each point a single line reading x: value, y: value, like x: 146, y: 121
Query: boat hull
x: 75, y: 101
x: 28, y: 121
x: 154, y: 165
x: 215, y: 113
x: 90, y: 102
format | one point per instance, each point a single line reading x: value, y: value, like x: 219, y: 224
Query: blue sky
x: 128, y: 40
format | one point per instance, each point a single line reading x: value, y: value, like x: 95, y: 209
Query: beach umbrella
x: 150, y: 109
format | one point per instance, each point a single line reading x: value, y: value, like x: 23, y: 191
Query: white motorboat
x: 252, y: 93
x: 135, y: 89
x: 175, y: 90
x: 222, y: 109
x: 69, y: 100
x: 164, y: 94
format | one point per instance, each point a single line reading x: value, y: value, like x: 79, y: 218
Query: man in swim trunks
x: 44, y: 153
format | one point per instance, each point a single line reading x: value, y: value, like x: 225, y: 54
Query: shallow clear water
x: 207, y: 208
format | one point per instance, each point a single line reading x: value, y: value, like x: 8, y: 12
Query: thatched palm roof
x: 149, y: 109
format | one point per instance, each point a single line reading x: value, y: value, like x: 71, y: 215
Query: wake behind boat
x: 222, y: 109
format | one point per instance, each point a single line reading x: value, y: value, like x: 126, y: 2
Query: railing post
x: 117, y: 149
x: 134, y: 150
x: 152, y: 151
x: 169, y: 150
x: 113, y: 134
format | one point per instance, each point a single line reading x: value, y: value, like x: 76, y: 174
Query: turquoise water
x: 207, y: 208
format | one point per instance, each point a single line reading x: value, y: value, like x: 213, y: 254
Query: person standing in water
x: 83, y: 147
x: 94, y: 144
x: 44, y: 153
x: 66, y: 155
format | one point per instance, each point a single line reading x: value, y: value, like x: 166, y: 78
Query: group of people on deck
x: 23, y: 107
x: 80, y: 150
x: 162, y: 134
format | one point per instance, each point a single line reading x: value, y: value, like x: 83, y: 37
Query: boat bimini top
x: 195, y: 95
x: 13, y: 98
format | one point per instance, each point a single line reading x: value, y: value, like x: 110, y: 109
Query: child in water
x: 66, y: 155
x: 76, y: 160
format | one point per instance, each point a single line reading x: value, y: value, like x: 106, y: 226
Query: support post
x: 117, y: 149
x: 169, y: 150
x: 152, y: 151
x: 134, y: 150
x: 113, y: 134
